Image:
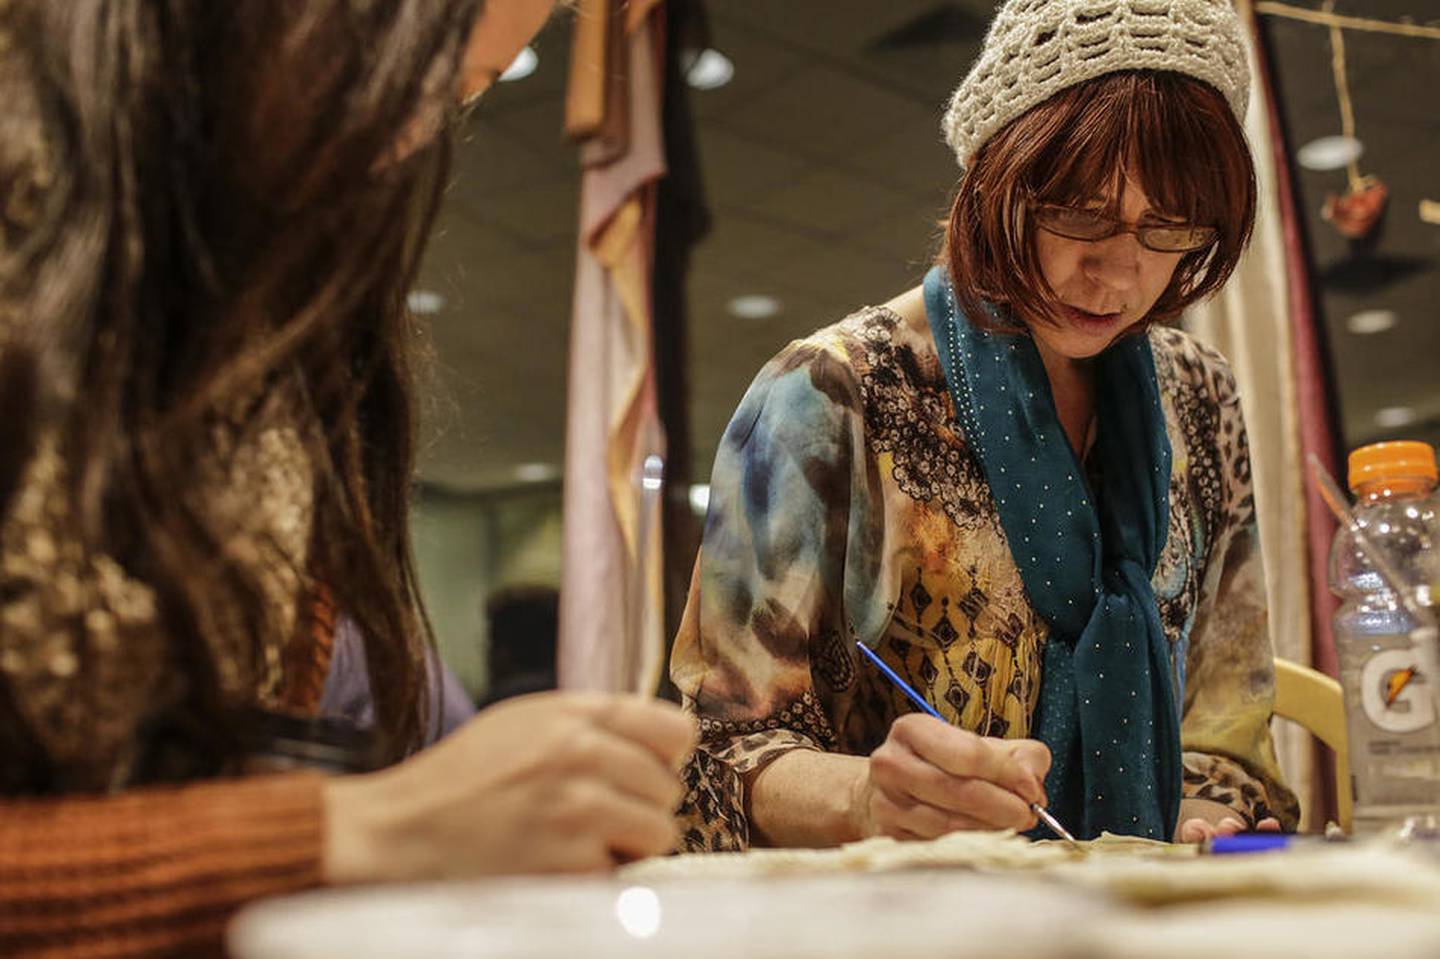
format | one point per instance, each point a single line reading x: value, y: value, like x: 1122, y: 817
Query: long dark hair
x: 215, y: 210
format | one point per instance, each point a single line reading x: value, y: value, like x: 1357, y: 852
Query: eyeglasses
x: 1092, y: 225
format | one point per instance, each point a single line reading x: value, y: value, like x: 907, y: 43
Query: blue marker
x: 1246, y: 842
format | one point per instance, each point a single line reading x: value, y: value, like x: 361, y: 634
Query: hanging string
x: 1328, y: 18
x: 1342, y: 91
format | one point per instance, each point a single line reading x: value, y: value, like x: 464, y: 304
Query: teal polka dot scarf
x: 1107, y: 705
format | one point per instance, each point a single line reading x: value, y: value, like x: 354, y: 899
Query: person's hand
x: 1202, y: 819
x: 929, y: 778
x: 553, y: 782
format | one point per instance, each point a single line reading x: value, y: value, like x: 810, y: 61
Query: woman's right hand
x: 553, y: 782
x: 930, y: 778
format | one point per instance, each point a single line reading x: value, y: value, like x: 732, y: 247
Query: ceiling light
x: 1393, y: 417
x: 1330, y: 153
x: 522, y: 67
x: 700, y: 498
x: 536, y: 472
x: 753, y: 306
x: 425, y: 302
x: 710, y: 71
x: 1371, y: 321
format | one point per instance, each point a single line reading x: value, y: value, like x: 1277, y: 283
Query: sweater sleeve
x: 152, y: 872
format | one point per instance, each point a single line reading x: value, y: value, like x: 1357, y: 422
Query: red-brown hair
x: 1176, y: 135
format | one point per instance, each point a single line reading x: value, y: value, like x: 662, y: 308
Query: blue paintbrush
x: 918, y: 700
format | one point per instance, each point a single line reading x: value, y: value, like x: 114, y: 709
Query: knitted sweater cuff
x: 153, y: 871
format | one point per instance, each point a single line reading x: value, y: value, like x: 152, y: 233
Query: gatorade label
x: 1395, y: 684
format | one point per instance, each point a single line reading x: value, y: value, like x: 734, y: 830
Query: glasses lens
x: 1076, y: 224
x: 1176, y: 239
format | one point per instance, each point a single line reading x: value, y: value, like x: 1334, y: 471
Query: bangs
x: 1174, y: 136
x: 1159, y: 129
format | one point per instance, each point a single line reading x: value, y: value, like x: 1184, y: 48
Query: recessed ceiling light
x: 425, y: 302
x: 536, y: 472
x: 523, y: 65
x: 1329, y: 153
x: 1371, y: 321
x: 1393, y: 417
x: 710, y: 71
x: 700, y: 498
x: 753, y: 306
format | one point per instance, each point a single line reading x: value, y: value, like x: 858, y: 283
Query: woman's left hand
x: 1202, y: 819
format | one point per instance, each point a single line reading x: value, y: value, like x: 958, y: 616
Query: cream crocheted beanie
x: 1036, y: 48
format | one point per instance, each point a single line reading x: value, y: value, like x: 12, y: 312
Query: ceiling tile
x: 823, y: 113
x: 736, y: 168
x: 544, y: 213
x: 835, y: 28
x: 760, y: 66
x: 828, y: 201
x: 913, y: 159
x: 491, y: 159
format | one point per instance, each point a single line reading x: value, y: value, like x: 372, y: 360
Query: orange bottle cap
x: 1400, y: 460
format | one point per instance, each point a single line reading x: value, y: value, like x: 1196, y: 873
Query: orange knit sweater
x: 152, y: 872
x: 115, y: 868
x: 159, y: 871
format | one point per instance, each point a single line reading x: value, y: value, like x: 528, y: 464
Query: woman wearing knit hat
x: 1014, y: 486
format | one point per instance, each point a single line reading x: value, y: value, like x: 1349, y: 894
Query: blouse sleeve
x: 1229, y: 755
x: 789, y: 501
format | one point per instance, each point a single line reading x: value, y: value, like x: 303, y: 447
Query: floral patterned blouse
x: 846, y: 505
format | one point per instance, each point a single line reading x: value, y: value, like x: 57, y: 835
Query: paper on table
x: 975, y: 850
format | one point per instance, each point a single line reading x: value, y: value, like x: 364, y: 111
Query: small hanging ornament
x: 1358, y: 210
x: 1356, y: 213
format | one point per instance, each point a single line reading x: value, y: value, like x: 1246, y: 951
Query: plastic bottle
x: 1388, y: 657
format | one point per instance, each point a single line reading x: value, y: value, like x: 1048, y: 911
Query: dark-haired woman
x: 210, y: 214
x: 1030, y: 499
